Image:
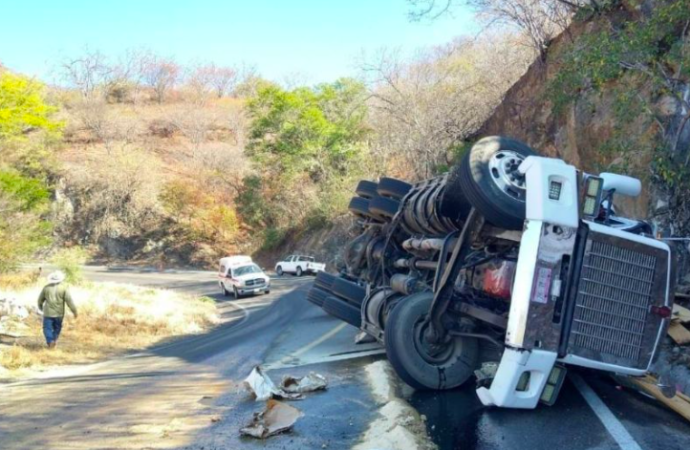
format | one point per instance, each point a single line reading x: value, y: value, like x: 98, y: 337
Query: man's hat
x: 56, y: 277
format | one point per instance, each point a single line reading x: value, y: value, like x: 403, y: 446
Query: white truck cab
x: 506, y: 270
x: 239, y: 275
x: 299, y: 265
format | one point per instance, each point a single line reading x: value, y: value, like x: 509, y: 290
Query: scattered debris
x: 680, y: 313
x: 649, y: 385
x: 679, y: 333
x: 310, y: 383
x: 290, y: 388
x: 276, y: 418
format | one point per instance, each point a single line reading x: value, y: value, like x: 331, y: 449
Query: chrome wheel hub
x: 504, y: 173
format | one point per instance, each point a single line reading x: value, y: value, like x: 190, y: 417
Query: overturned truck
x: 506, y: 269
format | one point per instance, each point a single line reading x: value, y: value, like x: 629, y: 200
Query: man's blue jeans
x: 51, y: 328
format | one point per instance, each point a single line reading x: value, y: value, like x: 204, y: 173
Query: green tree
x: 315, y: 131
x: 23, y: 108
x: 306, y: 144
x: 26, y: 124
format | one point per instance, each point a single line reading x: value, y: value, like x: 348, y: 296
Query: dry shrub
x: 112, y: 318
x: 17, y: 280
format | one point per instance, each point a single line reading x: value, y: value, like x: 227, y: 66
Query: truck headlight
x: 592, y: 196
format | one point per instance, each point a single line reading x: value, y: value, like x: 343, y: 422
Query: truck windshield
x: 306, y: 258
x: 246, y: 270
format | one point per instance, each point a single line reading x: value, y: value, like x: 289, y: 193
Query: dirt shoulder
x: 113, y: 318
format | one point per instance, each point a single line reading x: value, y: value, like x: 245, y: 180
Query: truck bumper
x: 503, y: 391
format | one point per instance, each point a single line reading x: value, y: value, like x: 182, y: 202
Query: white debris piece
x: 290, y: 388
x: 276, y: 418
x: 261, y: 385
x: 310, y: 383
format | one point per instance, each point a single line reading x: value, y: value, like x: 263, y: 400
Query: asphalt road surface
x: 186, y: 393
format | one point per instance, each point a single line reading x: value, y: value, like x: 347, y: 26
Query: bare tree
x: 539, y: 20
x: 421, y: 109
x: 86, y: 72
x: 223, y: 79
x: 160, y: 74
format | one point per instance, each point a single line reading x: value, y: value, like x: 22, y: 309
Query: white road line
x: 615, y: 428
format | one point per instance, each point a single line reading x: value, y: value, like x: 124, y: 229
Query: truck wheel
x: 279, y: 271
x: 366, y: 189
x: 298, y: 272
x: 359, y: 207
x: 317, y: 296
x: 489, y: 179
x: 408, y: 352
x: 225, y: 291
x: 343, y: 310
x: 347, y: 290
x: 235, y: 293
x: 383, y: 207
x: 390, y: 187
x: 324, y: 280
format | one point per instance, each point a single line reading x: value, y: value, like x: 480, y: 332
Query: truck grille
x: 620, y: 280
x: 255, y: 282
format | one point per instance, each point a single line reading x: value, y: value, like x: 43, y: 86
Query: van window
x: 222, y: 268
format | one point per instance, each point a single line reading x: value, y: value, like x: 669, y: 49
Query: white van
x: 239, y: 275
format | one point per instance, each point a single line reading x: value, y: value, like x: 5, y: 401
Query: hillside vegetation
x: 144, y: 159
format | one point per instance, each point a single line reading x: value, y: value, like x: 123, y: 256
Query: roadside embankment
x: 399, y: 426
x: 113, y: 318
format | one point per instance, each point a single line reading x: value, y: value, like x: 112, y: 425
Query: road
x: 186, y: 393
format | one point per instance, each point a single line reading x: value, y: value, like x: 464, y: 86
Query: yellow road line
x: 306, y: 348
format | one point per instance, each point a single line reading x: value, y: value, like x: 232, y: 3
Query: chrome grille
x: 613, y: 299
x: 255, y: 282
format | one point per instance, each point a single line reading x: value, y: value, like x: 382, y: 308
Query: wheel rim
x: 444, y: 357
x: 503, y: 166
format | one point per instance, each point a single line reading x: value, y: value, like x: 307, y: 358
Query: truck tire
x: 324, y: 280
x: 226, y: 293
x: 359, y: 207
x: 298, y: 272
x: 347, y: 290
x: 366, y: 189
x: 392, y: 188
x: 343, y: 310
x: 279, y: 271
x: 486, y: 176
x: 236, y: 293
x: 406, y: 352
x: 383, y: 207
x: 317, y: 296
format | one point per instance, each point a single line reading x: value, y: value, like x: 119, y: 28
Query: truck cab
x: 505, y: 271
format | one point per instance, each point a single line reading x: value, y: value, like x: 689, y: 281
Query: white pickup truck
x: 299, y: 265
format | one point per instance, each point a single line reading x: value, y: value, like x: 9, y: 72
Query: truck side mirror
x: 622, y: 184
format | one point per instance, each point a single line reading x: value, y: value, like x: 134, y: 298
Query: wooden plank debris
x: 678, y: 403
x: 679, y: 333
x: 681, y: 314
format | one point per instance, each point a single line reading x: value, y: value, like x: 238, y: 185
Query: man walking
x: 52, y: 302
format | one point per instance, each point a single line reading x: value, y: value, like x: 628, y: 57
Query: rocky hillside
x: 606, y: 109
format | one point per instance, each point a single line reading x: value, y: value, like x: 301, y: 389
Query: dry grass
x: 112, y: 318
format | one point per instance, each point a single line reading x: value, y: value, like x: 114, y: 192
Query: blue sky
x: 320, y: 39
